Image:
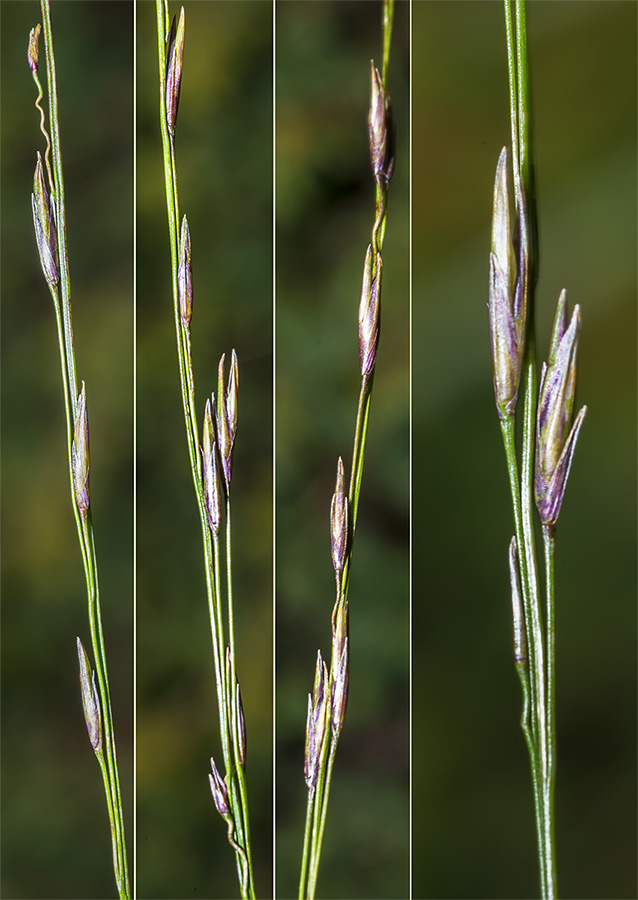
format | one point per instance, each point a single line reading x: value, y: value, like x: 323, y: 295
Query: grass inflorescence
x: 328, y: 700
x: 49, y: 218
x: 211, y: 468
x: 548, y: 436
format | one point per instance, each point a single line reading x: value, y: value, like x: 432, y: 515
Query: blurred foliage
x: 473, y: 812
x: 224, y: 173
x: 325, y: 213
x: 55, y: 838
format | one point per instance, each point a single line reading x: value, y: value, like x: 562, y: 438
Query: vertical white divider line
x: 133, y: 841
x: 410, y: 257
x: 274, y: 456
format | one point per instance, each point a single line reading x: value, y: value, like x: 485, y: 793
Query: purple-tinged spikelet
x: 219, y: 791
x: 43, y: 225
x: 316, y: 723
x: 80, y: 454
x: 33, y: 50
x: 240, y: 726
x: 380, y: 131
x: 185, y: 275
x: 226, y: 414
x: 369, y: 312
x: 175, y: 57
x: 340, y: 659
x: 556, y: 435
x: 212, y: 486
x: 339, y: 521
x: 90, y: 699
x: 520, y: 634
x: 507, y: 293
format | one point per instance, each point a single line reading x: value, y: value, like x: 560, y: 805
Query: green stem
x: 356, y: 473
x: 318, y: 805
x: 312, y: 883
x: 388, y: 20
x: 324, y: 779
x: 217, y: 629
x: 306, y: 844
x: 318, y: 814
x: 541, y: 653
x: 549, y: 548
x: 99, y: 650
x: 535, y: 740
x: 243, y: 822
x: 106, y: 757
x: 237, y: 821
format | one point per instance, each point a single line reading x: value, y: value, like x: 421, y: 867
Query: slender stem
x: 306, y: 844
x: 226, y: 679
x: 358, y: 456
x: 318, y: 816
x: 317, y: 807
x: 549, y: 548
x: 99, y: 650
x: 232, y: 703
x: 388, y: 20
x: 540, y: 640
x: 106, y: 756
x: 312, y: 883
x: 217, y: 628
x: 536, y: 729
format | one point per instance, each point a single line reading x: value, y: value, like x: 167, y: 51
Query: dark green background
x: 472, y: 799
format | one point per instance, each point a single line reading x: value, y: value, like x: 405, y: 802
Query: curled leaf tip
x: 33, y: 50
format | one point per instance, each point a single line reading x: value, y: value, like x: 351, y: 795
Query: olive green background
x: 55, y: 839
x: 472, y: 799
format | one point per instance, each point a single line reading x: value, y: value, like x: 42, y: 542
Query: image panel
x: 221, y: 142
x: 325, y: 220
x: 55, y: 840
x: 473, y: 806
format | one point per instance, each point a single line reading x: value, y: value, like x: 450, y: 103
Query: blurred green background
x: 473, y: 813
x: 325, y: 213
x: 55, y: 839
x: 224, y: 171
